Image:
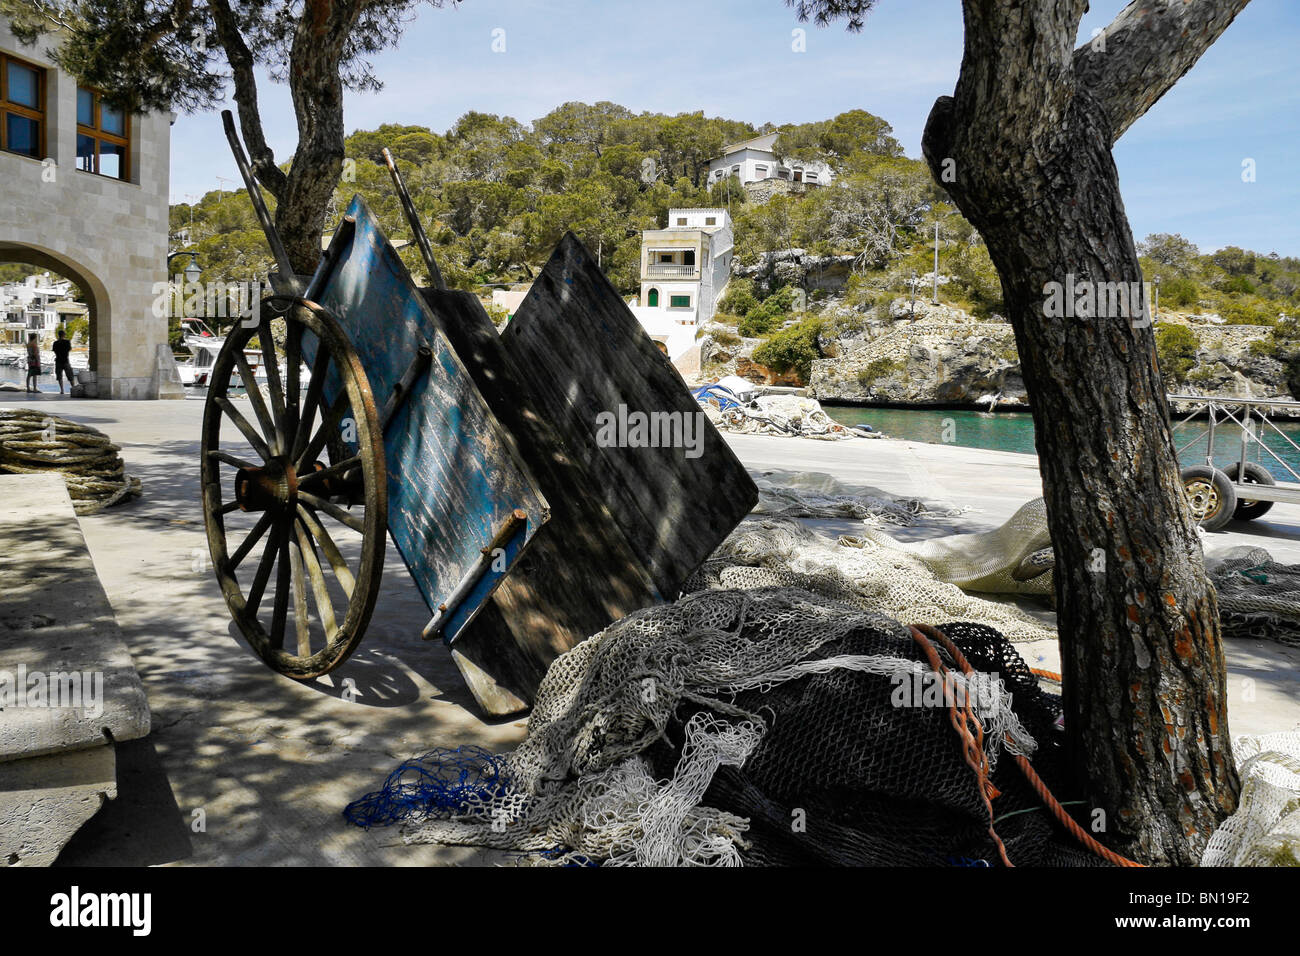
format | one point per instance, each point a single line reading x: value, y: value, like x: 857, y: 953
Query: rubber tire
x: 1222, y: 487
x: 1254, y: 475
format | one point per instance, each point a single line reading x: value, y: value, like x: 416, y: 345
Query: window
x: 679, y: 302
x: 665, y: 257
x: 103, y: 144
x: 652, y: 298
x: 22, y: 107
x: 735, y: 170
x: 681, y: 220
x: 810, y: 176
x: 710, y: 220
x: 760, y: 171
x: 688, y: 257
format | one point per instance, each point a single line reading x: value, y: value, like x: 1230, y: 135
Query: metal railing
x: 1219, y: 412
x: 670, y: 269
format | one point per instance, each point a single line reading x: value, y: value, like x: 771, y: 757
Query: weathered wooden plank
x: 454, y: 475
x: 586, y: 361
x: 580, y: 574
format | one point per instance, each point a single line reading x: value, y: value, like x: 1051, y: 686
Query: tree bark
x: 1030, y: 129
x: 302, y: 194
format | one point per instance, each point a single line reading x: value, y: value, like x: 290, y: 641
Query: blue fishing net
x: 440, y: 783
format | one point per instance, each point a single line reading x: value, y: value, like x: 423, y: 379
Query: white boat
x: 204, y: 345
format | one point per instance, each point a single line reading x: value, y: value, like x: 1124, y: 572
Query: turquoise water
x: 1014, y: 431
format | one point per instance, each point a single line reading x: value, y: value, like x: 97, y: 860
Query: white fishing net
x: 584, y: 778
x: 889, y: 580
x: 1265, y: 829
x: 987, y: 562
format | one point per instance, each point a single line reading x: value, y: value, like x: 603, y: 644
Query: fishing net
x: 32, y: 443
x: 781, y: 415
x: 1258, y: 597
x: 783, y: 494
x: 857, y: 570
x: 770, y: 726
x: 991, y: 562
x: 1265, y: 829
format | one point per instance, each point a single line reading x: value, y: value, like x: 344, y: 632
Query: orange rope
x: 971, y: 732
x: 1050, y: 675
x: 920, y: 633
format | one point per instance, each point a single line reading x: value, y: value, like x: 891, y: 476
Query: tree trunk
x: 1144, y: 679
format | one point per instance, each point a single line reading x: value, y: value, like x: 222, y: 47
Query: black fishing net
x: 843, y: 776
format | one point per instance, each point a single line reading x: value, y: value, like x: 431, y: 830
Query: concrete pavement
x: 247, y: 767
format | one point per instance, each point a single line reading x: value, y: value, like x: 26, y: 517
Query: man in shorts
x: 61, y: 364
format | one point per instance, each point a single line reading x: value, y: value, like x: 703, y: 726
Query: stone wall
x: 107, y: 235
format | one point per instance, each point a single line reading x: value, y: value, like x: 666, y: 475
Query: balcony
x: 664, y: 269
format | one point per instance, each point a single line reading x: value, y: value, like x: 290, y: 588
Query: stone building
x: 684, y: 270
x: 84, y: 193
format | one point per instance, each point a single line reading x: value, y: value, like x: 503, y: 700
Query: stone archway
x: 97, y: 299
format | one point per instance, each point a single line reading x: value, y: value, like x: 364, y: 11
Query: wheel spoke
x: 332, y: 552
x: 327, y: 427
x: 301, y: 622
x: 324, y: 606
x: 228, y: 507
x: 254, y: 392
x: 333, y: 510
x: 336, y: 470
x: 284, y: 574
x: 254, y: 536
x: 263, y: 574
x: 273, y: 385
x: 293, y: 359
x: 308, y: 414
x: 240, y: 422
x: 230, y: 459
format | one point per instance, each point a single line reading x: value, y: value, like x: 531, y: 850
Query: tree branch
x: 1016, y: 80
x: 1146, y: 49
x: 250, y: 119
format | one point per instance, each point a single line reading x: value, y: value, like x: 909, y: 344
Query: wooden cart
x: 401, y: 411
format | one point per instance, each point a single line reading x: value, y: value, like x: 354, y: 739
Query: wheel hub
x: 1202, y: 498
x: 271, y: 487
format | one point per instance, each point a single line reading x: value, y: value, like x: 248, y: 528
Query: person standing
x: 61, y: 364
x: 33, y: 362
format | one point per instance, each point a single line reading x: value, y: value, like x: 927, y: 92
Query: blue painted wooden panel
x: 454, y: 475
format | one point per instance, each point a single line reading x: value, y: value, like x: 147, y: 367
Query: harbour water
x: 1014, y: 432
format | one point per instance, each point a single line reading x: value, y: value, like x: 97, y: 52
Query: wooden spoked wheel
x: 297, y: 544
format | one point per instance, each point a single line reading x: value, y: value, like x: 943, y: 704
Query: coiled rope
x: 33, y: 443
x: 971, y: 732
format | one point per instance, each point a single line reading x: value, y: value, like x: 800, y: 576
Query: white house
x: 83, y: 193
x: 38, y: 304
x: 684, y: 270
x: 755, y: 160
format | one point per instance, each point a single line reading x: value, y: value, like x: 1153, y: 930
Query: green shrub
x: 724, y: 337
x: 878, y: 369
x: 756, y: 323
x: 792, y: 349
x: 1179, y: 292
x: 1176, y: 348
x: 739, y: 298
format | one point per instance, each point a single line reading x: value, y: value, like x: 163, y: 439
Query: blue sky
x: 1180, y: 165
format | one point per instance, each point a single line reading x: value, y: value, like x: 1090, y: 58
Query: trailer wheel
x: 1210, y: 496
x: 1251, y: 474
